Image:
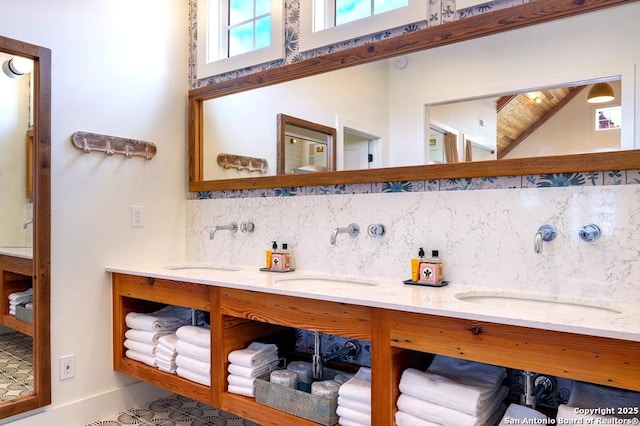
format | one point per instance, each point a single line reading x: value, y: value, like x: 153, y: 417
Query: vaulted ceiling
x: 521, y: 114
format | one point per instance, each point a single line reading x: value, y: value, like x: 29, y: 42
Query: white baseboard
x: 91, y: 409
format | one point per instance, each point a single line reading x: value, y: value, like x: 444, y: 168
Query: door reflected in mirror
x: 304, y: 146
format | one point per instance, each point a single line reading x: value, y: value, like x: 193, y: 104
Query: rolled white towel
x: 200, y: 353
x: 242, y: 390
x: 358, y: 388
x: 467, y: 394
x: 406, y: 419
x: 354, y: 405
x: 143, y: 348
x: 144, y: 336
x: 436, y: 413
x: 251, y: 372
x: 255, y: 354
x: 353, y: 415
x: 144, y: 358
x: 515, y: 414
x: 194, y: 377
x: 197, y: 335
x: 241, y: 381
x: 325, y: 388
x: 285, y: 378
x: 199, y: 367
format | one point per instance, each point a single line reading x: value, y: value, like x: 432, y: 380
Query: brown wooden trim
x: 465, y: 29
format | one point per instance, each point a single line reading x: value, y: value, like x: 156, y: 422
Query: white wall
x: 119, y: 68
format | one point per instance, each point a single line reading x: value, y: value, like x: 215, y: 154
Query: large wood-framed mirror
x: 25, y: 261
x: 427, y: 39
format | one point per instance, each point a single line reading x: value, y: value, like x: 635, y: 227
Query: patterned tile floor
x: 16, y: 365
x: 174, y: 410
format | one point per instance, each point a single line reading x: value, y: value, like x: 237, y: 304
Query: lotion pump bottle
x: 269, y: 254
x: 431, y: 270
x: 415, y: 265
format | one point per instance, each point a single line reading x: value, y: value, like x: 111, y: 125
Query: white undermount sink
x: 197, y: 267
x: 322, y: 282
x: 516, y: 301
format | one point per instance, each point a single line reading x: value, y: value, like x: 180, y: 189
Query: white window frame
x: 415, y: 11
x: 211, y: 31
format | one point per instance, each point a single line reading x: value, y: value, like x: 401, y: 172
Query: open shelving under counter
x: 15, y: 276
x: 244, y: 306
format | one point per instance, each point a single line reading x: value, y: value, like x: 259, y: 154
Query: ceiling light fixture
x: 600, y: 93
x: 17, y: 66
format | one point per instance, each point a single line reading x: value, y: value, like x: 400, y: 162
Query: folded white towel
x: 241, y: 381
x: 164, y: 358
x: 354, y: 405
x: 438, y: 414
x: 358, y: 388
x: 167, y: 318
x: 145, y: 336
x: 20, y: 299
x: 353, y: 415
x: 459, y: 384
x: 343, y: 421
x: 194, y: 377
x: 255, y: 354
x: 18, y: 294
x: 167, y: 367
x: 193, y: 351
x: 515, y: 414
x: 12, y: 311
x: 199, y: 367
x: 144, y: 358
x: 241, y: 371
x: 166, y: 353
x: 200, y: 336
x: 406, y: 419
x: 589, y: 395
x: 242, y: 390
x: 143, y: 348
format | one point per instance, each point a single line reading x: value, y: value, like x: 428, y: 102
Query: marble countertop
x: 17, y: 251
x: 590, y: 316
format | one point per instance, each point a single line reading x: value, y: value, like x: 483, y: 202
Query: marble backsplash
x: 485, y: 238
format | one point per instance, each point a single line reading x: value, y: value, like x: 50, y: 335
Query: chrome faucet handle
x: 545, y: 233
x: 247, y: 227
x: 589, y: 233
x: 376, y: 230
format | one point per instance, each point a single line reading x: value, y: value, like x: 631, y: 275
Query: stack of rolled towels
x: 166, y: 353
x: 19, y: 297
x: 452, y: 392
x: 354, y: 399
x: 145, y: 329
x: 193, y: 354
x: 595, y: 404
x: 247, y: 364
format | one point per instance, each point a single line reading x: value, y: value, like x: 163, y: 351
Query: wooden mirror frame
x: 285, y: 120
x: 41, y: 227
x: 511, y: 18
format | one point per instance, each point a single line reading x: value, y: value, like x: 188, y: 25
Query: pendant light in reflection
x: 600, y: 93
x: 17, y: 66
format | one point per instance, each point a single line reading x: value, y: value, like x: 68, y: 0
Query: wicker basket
x: 302, y: 404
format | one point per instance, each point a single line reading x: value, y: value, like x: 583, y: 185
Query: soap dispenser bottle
x: 415, y: 265
x: 269, y: 254
x: 431, y: 270
x: 280, y: 259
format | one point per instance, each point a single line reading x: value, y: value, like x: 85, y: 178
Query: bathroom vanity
x: 16, y: 267
x: 405, y: 325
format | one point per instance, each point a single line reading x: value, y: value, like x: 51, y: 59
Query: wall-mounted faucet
x: 233, y: 227
x: 353, y: 230
x: 545, y: 233
x: 27, y: 223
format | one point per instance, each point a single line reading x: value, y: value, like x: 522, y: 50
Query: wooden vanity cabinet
x: 399, y: 340
x: 15, y: 276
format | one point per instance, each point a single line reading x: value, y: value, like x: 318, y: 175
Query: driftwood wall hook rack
x: 241, y: 162
x: 110, y: 145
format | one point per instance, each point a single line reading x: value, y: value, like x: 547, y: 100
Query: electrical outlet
x: 67, y: 367
x: 137, y: 216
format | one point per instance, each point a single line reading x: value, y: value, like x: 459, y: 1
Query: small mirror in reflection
x: 304, y: 146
